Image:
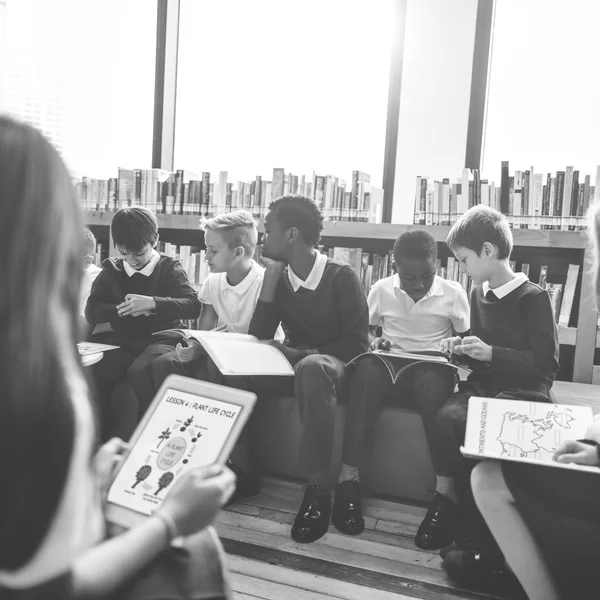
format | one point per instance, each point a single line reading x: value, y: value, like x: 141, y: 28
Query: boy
x: 322, y: 307
x: 515, y: 343
x: 416, y: 310
x: 228, y: 295
x: 139, y: 294
x: 90, y: 272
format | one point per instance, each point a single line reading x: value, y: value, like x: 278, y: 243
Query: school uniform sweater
x: 333, y: 318
x: 168, y: 284
x: 522, y: 331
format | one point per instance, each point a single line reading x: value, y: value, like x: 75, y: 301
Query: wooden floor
x: 381, y: 564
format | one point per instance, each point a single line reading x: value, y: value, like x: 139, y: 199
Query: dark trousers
x: 317, y: 384
x: 451, y: 429
x: 425, y: 386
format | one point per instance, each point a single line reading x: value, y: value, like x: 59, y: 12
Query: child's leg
x: 523, y: 554
x: 369, y: 384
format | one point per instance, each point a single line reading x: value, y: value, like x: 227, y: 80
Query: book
x: 555, y: 292
x: 568, y: 296
x: 398, y: 362
x: 234, y: 353
x: 521, y: 431
x: 87, y: 348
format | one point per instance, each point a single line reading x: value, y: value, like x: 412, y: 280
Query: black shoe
x: 312, y: 519
x: 246, y: 485
x: 347, y: 515
x: 478, y: 568
x: 438, y: 527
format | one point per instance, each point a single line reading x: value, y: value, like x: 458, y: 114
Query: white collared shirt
x: 418, y: 326
x: 147, y: 270
x: 314, y: 277
x: 507, y: 288
x: 234, y: 304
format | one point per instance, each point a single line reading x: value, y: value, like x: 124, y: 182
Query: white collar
x: 242, y: 287
x: 147, y: 270
x: 314, y: 277
x: 507, y: 288
x: 436, y: 288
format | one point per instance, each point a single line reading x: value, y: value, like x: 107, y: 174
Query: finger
x: 571, y: 458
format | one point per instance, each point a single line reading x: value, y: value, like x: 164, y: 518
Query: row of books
x: 371, y: 267
x: 191, y: 259
x: 530, y: 200
x: 185, y: 193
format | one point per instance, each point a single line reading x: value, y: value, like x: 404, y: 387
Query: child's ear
x: 293, y: 234
x: 489, y: 250
x: 238, y: 252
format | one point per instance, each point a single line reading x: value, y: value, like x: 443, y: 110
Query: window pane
x: 83, y: 72
x: 544, y: 87
x: 301, y: 85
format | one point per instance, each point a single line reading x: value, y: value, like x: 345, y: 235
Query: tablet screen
x: 185, y: 431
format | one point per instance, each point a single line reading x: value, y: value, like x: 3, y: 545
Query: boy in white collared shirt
x: 416, y: 310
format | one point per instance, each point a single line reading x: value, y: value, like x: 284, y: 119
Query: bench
x: 401, y: 463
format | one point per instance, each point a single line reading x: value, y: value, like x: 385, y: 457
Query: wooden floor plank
x: 309, y: 581
x: 245, y: 596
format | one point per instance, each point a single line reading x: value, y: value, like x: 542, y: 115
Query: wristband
x: 170, y: 524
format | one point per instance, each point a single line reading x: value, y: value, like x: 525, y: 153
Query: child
x: 90, y: 272
x: 52, y: 532
x: 138, y: 294
x: 416, y: 310
x: 228, y: 295
x: 546, y: 521
x: 323, y: 309
x: 515, y: 343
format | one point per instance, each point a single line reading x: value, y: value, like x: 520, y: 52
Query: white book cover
x: 520, y: 431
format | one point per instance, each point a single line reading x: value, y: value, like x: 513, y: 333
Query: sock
x: 349, y: 473
x: 445, y: 485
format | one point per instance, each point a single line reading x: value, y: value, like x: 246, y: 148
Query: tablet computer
x: 189, y: 424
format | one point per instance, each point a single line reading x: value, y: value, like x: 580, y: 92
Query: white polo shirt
x: 234, y: 304
x: 418, y: 326
x: 507, y: 288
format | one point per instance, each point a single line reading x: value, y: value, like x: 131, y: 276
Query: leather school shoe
x: 347, y: 515
x: 312, y: 519
x: 246, y: 485
x: 475, y: 567
x: 438, y: 526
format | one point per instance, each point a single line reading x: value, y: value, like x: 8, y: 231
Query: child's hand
x: 472, y: 346
x: 272, y: 265
x: 578, y: 453
x: 106, y: 461
x: 293, y: 355
x: 449, y: 344
x: 380, y: 343
x: 136, y: 306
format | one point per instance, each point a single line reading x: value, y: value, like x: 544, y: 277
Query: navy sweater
x: 333, y: 318
x: 175, y: 299
x: 522, y: 332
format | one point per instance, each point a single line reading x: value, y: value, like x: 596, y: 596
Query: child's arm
x: 266, y: 319
x: 101, y: 306
x: 182, y: 301
x: 208, y: 318
x: 541, y: 358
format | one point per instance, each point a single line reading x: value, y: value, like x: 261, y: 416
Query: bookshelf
x: 584, y: 338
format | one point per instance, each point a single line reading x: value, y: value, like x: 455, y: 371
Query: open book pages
x: 236, y: 353
x: 413, y: 356
x: 521, y: 431
x: 86, y: 348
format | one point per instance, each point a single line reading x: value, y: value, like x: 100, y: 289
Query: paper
x: 86, y: 348
x: 185, y: 431
x: 522, y: 431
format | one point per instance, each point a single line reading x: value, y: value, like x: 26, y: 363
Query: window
x: 83, y: 72
x: 544, y: 90
x: 301, y: 85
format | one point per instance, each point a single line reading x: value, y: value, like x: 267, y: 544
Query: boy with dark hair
x: 515, y: 343
x: 139, y: 294
x: 416, y: 310
x: 322, y: 307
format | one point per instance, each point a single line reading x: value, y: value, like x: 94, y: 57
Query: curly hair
x: 300, y: 212
x: 417, y: 243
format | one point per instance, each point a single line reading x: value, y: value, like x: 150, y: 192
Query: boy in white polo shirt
x: 416, y: 310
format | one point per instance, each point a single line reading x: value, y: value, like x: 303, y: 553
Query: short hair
x: 133, y: 228
x: 417, y: 243
x: 300, y: 212
x: 478, y: 225
x: 89, y: 240
x: 238, y: 228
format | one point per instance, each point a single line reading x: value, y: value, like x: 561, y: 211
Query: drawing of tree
x: 164, y: 481
x: 165, y: 435
x: 143, y: 473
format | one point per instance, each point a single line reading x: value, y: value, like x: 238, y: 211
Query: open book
x: 398, y: 362
x: 521, y: 431
x: 235, y: 353
x: 86, y: 348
